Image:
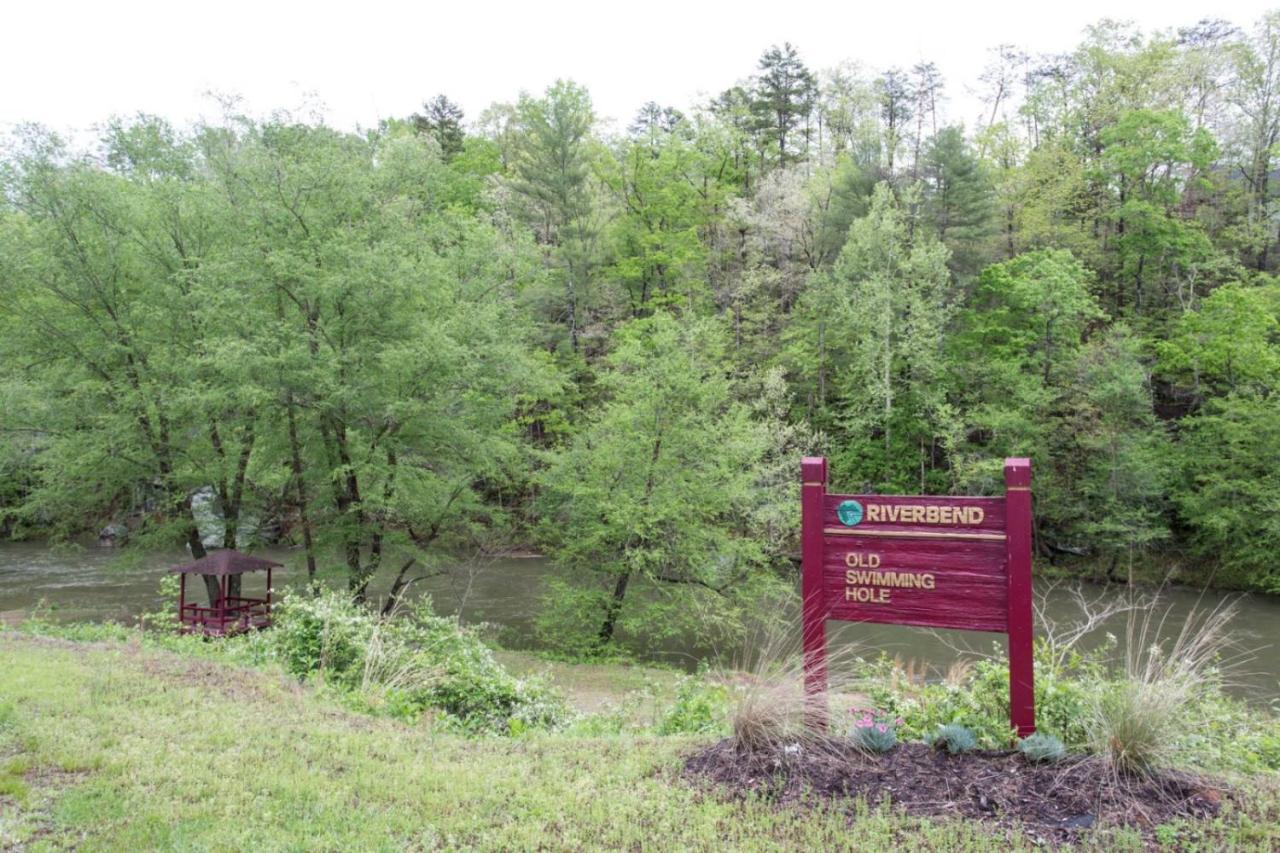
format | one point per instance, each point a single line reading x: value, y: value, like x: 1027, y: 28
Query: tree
x: 1013, y: 363
x: 286, y: 316
x: 926, y: 84
x: 1256, y: 94
x: 959, y: 201
x: 659, y: 488
x: 115, y: 306
x: 782, y: 99
x: 1227, y: 489
x: 652, y: 121
x: 553, y: 170
x: 1225, y: 361
x: 441, y: 119
x: 1150, y: 157
x: 872, y: 330
x: 1122, y: 484
x: 894, y: 90
x: 666, y: 193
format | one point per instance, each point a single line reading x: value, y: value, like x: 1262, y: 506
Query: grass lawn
x: 111, y: 746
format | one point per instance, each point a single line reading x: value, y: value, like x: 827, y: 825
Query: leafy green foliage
x: 409, y: 665
x: 867, y: 344
x: 699, y: 708
x: 660, y: 488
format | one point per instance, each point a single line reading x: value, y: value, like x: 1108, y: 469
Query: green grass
x: 115, y: 746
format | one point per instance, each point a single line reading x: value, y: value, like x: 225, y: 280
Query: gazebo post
x: 268, y: 614
x: 222, y: 603
x: 182, y: 598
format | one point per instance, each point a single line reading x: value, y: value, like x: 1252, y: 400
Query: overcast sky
x: 72, y: 65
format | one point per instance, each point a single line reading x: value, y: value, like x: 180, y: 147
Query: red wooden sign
x: 935, y: 562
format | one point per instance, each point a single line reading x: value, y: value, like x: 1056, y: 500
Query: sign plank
x: 924, y: 561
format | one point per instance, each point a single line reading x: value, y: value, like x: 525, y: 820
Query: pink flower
x: 883, y: 728
x: 898, y: 722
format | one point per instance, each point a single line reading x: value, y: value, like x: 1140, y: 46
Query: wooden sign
x: 932, y: 562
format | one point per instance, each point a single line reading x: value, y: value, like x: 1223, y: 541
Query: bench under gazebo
x: 227, y: 613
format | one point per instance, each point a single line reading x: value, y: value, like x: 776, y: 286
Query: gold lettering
x: 873, y: 512
x: 926, y: 581
x: 866, y: 595
x: 931, y: 514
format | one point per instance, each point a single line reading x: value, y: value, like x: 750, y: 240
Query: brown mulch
x: 1055, y: 802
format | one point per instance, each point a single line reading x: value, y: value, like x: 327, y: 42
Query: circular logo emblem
x: 849, y: 513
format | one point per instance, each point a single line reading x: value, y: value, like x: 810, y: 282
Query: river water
x: 96, y: 583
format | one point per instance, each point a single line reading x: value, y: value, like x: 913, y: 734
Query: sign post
x: 927, y: 561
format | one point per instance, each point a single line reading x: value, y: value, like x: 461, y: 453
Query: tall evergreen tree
x: 553, y: 171
x: 441, y: 119
x: 959, y: 201
x: 782, y: 100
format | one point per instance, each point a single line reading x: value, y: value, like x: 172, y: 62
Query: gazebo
x: 227, y: 614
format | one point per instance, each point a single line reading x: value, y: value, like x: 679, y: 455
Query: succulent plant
x: 1041, y: 747
x: 954, y: 739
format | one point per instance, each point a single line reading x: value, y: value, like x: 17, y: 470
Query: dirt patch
x: 1051, y: 802
x: 235, y: 683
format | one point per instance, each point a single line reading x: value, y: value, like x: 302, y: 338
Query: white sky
x: 71, y: 65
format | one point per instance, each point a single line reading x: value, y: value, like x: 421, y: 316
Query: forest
x: 529, y: 329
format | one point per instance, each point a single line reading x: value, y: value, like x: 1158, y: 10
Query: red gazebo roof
x: 226, y: 562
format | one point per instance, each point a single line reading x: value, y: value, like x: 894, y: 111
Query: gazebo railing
x: 230, y: 614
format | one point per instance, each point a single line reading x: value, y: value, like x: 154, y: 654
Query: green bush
x: 954, y: 739
x: 699, y: 708
x: 409, y: 665
x: 1041, y: 747
x: 477, y: 693
x: 326, y: 632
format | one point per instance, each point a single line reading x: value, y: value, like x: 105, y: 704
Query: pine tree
x: 442, y: 120
x: 783, y: 98
x: 959, y: 201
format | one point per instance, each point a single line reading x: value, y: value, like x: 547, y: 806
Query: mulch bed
x: 1055, y: 802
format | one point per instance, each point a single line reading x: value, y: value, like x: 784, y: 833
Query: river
x: 97, y: 583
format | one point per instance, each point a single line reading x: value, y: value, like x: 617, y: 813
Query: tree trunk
x: 211, y: 586
x: 613, y: 609
x: 300, y: 488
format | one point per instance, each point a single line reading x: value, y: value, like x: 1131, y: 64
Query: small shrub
x: 326, y: 632
x: 406, y: 665
x: 165, y: 620
x: 699, y: 708
x: 1040, y: 747
x: 874, y: 731
x: 954, y: 739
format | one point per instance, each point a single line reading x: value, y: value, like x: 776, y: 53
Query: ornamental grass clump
x: 1041, y: 748
x: 1136, y: 722
x: 873, y: 730
x: 769, y: 711
x: 954, y: 739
